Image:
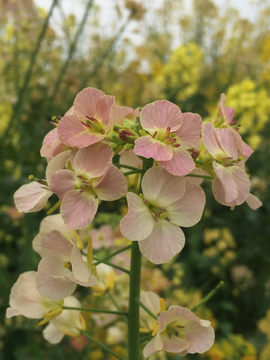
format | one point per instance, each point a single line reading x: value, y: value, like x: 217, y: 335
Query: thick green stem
x: 134, y: 308
x: 95, y: 310
x: 112, y: 255
x: 105, y: 348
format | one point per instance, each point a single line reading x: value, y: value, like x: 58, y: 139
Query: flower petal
x: 82, y: 273
x: 190, y: 130
x: 62, y: 182
x: 181, y: 162
x: 31, y: 197
x: 162, y: 188
x: 253, y: 202
x: 55, y: 244
x: 86, y: 138
x: 227, y: 142
x: 68, y: 127
x: 112, y: 185
x: 57, y: 163
x: 103, y: 109
x: 85, y: 101
x: 52, y: 335
x: 161, y: 114
x: 210, y: 139
x: 165, y: 241
x: 78, y: 209
x: 93, y: 160
x: 148, y: 147
x: 138, y: 223
x: 188, y: 210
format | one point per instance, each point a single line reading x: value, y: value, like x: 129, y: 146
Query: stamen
x: 154, y: 135
x: 86, y: 125
x: 92, y: 119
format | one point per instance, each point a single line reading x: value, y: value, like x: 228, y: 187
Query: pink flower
x: 153, y: 219
x: 91, y: 120
x: 181, y: 332
x: 231, y: 184
x: 228, y: 114
x: 61, y: 268
x: 27, y: 301
x: 33, y: 197
x: 94, y: 178
x: 171, y: 134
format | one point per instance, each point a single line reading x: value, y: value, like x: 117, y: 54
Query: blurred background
x: 188, y: 52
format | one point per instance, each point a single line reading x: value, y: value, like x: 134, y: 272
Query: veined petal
x: 119, y: 113
x: 165, y: 241
x: 57, y: 163
x: 86, y: 138
x: 190, y: 130
x: 68, y: 127
x: 78, y: 209
x: 201, y: 338
x: 31, y: 197
x: 85, y: 101
x: 173, y: 343
x: 161, y: 114
x: 55, y: 244
x: 225, y: 175
x: 103, y: 109
x: 253, y: 202
x: 225, y: 111
x: 138, y: 223
x: 62, y: 182
x: 52, y: 279
x: 148, y: 147
x: 227, y: 142
x: 162, y: 188
x: 181, y: 162
x: 52, y: 335
x: 210, y: 140
x: 112, y: 185
x: 93, y: 160
x: 150, y: 348
x: 188, y: 210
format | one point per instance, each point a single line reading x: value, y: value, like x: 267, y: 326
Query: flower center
x: 167, y: 137
x: 93, y: 125
x: 156, y: 211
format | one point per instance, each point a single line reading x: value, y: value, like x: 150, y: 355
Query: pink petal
x: 161, y: 114
x: 247, y: 151
x: 57, y: 163
x: 62, y: 181
x: 103, y: 109
x: 225, y: 175
x: 210, y: 139
x: 165, y: 241
x: 55, y: 244
x: 93, y: 160
x: 225, y: 111
x: 82, y: 273
x: 85, y: 101
x: 119, y: 113
x: 253, y: 202
x: 52, y: 335
x: 78, y: 209
x: 188, y: 210
x: 181, y: 162
x: 148, y: 147
x: 190, y: 130
x: 68, y: 127
x: 201, y: 338
x: 52, y: 279
x: 151, y: 300
x: 138, y: 223
x: 227, y: 142
x: 31, y: 197
x: 151, y: 348
x: 162, y: 188
x: 51, y: 150
x: 50, y: 137
x: 112, y: 186
x: 86, y: 138
x: 173, y: 343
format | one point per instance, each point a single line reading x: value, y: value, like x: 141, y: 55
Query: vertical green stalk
x: 134, y: 292
x: 134, y: 308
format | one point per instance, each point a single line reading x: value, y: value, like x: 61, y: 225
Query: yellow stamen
x: 154, y: 333
x: 162, y: 305
x: 90, y: 251
x: 53, y: 313
x: 45, y: 321
x: 163, y: 216
x: 110, y: 281
x: 30, y: 177
x: 79, y: 240
x: 94, y: 270
x: 98, y: 289
x: 143, y: 330
x: 182, y: 336
x: 83, y: 322
x: 66, y: 265
x: 69, y: 165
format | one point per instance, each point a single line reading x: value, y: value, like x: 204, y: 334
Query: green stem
x: 95, y: 310
x: 117, y: 267
x: 105, y: 348
x: 56, y: 206
x: 132, y: 172
x: 134, y: 309
x: 113, y: 254
x: 208, y: 296
x: 116, y: 305
x: 198, y: 162
x: 200, y: 176
x: 146, y: 309
x: 128, y: 167
x: 146, y: 338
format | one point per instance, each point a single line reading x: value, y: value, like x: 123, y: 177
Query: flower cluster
x: 157, y: 158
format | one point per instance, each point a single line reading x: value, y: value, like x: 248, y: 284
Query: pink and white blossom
x: 91, y: 120
x: 94, y: 178
x: 154, y: 218
x: 171, y: 135
x: 62, y: 267
x: 27, y: 301
x: 181, y: 332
